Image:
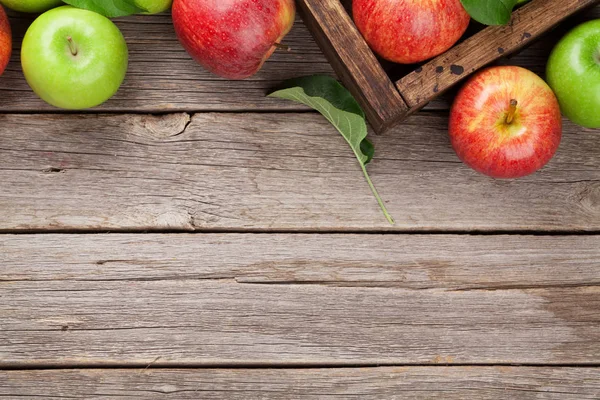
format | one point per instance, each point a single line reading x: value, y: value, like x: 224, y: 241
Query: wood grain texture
x: 492, y: 43
x: 418, y: 383
x: 354, y: 62
x: 247, y: 300
x: 264, y: 172
x: 418, y: 262
x: 162, y: 77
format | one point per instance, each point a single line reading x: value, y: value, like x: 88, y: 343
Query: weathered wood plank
x: 246, y: 300
x: 418, y: 383
x: 162, y: 77
x: 208, y: 323
x: 272, y: 172
x: 456, y: 262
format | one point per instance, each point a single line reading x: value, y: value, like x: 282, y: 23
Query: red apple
x: 505, y: 122
x: 410, y: 31
x: 5, y: 40
x: 232, y: 38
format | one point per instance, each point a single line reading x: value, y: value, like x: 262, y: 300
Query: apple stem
x: 72, y: 45
x: 282, y: 46
x: 510, y: 116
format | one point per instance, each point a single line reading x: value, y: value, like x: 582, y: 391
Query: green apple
x: 154, y: 6
x: 573, y: 72
x: 74, y: 58
x: 31, y: 6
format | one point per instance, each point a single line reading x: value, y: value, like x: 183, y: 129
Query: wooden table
x: 194, y: 239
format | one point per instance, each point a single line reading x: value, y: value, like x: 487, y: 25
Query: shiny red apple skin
x: 5, y: 40
x: 232, y: 38
x: 479, y: 131
x: 410, y: 31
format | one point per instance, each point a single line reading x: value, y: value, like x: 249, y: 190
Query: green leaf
x: 108, y: 8
x: 336, y: 104
x: 490, y: 12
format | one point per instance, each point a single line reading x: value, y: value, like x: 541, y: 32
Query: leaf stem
x: 376, y: 194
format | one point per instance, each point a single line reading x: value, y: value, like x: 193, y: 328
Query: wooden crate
x: 385, y: 102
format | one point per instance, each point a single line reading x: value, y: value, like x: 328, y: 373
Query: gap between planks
x: 156, y: 365
x: 251, y: 231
